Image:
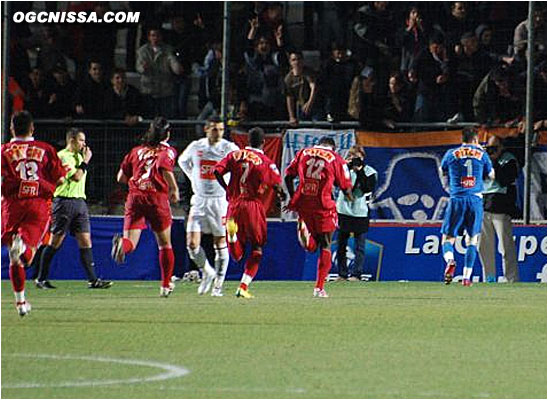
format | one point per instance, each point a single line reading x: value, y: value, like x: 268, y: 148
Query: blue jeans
x: 356, y: 268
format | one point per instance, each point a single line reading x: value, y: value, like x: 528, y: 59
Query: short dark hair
x: 213, y: 119
x: 94, y: 61
x: 468, y: 134
x: 327, y: 140
x: 117, y: 71
x: 22, y: 121
x: 256, y: 137
x: 436, y: 38
x: 468, y: 35
x: 72, y: 133
x: 157, y: 132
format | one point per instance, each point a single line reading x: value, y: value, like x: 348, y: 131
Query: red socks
x: 324, y: 265
x: 127, y: 246
x: 167, y: 261
x: 236, y: 250
x: 251, y: 268
x: 17, y: 277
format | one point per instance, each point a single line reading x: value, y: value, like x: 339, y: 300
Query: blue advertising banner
x: 396, y: 251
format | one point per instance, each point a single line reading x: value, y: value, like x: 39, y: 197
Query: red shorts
x: 319, y: 222
x: 27, y: 217
x: 152, y: 208
x: 251, y: 219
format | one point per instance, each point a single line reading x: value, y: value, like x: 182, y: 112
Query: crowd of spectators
x: 380, y: 63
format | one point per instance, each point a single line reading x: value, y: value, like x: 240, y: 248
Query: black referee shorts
x: 69, y: 214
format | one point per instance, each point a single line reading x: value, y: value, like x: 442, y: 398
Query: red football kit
x: 30, y: 172
x: 252, y: 174
x: 148, y: 198
x: 318, y: 169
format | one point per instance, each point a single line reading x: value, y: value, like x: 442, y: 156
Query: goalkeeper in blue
x: 466, y: 167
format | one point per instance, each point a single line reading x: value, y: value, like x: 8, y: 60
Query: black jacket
x: 506, y: 173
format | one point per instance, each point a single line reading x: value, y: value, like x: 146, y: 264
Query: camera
x: 355, y: 162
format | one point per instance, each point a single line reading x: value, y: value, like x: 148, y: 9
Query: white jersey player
x: 208, y: 205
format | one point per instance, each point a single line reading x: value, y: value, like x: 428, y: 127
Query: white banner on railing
x: 298, y: 139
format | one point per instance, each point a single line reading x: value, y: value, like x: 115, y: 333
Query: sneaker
x: 17, y: 248
x: 23, y: 308
x: 117, y: 252
x: 175, y: 278
x: 466, y: 282
x: 217, y: 292
x: 99, y: 284
x: 244, y: 293
x: 166, y: 291
x: 231, y: 230
x: 320, y: 293
x: 449, y: 272
x: 44, y: 284
x: 205, y: 284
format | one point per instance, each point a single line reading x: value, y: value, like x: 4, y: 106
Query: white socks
x: 221, y: 265
x: 200, y: 259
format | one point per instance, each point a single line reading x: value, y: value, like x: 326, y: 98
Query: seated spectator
x: 498, y: 99
x: 472, y: 64
x: 262, y: 90
x: 122, y: 101
x: 90, y: 95
x: 365, y: 104
x: 158, y: 65
x: 431, y: 71
x: 336, y: 79
x: 458, y: 22
x: 413, y: 39
x: 62, y: 104
x: 301, y: 91
x: 38, y: 94
x: 400, y: 99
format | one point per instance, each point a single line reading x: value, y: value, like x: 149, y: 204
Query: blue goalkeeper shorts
x: 463, y: 214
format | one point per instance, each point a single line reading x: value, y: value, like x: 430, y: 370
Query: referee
x: 70, y: 212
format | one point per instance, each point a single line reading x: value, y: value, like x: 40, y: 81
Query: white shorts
x: 207, y: 215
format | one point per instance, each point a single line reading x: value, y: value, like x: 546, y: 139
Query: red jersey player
x: 148, y: 170
x: 317, y: 168
x: 30, y: 172
x: 251, y: 174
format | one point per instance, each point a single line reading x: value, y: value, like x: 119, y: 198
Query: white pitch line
x: 229, y: 389
x: 172, y: 371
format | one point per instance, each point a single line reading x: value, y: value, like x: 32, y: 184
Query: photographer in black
x: 499, y: 205
x: 354, y: 215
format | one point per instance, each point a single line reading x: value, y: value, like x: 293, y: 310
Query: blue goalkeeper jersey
x: 466, y: 166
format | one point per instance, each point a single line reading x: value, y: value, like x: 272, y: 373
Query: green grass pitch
x: 368, y: 340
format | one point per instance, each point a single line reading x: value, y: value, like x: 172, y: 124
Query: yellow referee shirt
x: 71, y: 188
